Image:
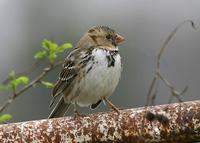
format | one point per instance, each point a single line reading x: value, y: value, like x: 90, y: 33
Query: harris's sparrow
x: 90, y: 72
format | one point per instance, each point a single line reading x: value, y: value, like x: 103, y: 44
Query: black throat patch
x: 111, y: 58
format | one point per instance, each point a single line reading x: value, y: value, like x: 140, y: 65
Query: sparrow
x: 90, y: 73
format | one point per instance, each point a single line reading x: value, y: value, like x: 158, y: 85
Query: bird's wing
x: 72, y: 65
x: 67, y: 75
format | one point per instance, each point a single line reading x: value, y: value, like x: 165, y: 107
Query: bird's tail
x: 60, y: 109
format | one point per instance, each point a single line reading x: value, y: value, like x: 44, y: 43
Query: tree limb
x: 179, y: 123
x: 28, y: 86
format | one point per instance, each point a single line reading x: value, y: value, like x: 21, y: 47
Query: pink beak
x: 119, y: 39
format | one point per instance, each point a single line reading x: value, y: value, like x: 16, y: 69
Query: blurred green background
x: 144, y: 23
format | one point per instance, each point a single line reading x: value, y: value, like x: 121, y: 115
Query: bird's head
x: 102, y: 36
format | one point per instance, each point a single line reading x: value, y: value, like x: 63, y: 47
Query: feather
x: 60, y: 109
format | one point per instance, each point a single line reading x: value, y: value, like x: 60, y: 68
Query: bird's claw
x: 78, y: 116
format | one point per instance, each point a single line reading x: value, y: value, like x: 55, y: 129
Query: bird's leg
x: 77, y: 115
x: 112, y: 106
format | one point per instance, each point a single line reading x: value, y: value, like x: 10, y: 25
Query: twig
x: 151, y: 96
x: 159, y: 76
x: 25, y: 71
x: 153, y: 99
x: 28, y: 86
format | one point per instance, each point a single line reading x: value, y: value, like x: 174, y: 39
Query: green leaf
x: 46, y: 44
x: 53, y: 46
x: 14, y: 82
x: 20, y: 80
x: 47, y: 84
x: 49, y: 45
x: 40, y: 55
x: 51, y: 50
x: 5, y: 117
x: 52, y: 56
x: 66, y: 46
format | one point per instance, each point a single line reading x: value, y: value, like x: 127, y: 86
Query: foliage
x: 47, y: 84
x: 51, y: 50
x: 15, y: 81
x: 5, y: 117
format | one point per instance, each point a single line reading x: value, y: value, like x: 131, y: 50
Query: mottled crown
x: 103, y: 28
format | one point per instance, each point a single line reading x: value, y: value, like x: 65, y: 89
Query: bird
x: 90, y: 73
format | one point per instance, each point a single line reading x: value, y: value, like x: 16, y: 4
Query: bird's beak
x: 119, y: 39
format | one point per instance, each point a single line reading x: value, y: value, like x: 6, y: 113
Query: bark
x: 172, y: 123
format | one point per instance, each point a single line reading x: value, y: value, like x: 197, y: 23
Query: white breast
x: 100, y: 81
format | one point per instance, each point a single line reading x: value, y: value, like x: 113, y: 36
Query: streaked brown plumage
x: 96, y: 54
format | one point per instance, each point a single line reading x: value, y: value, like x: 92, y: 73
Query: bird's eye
x: 108, y: 37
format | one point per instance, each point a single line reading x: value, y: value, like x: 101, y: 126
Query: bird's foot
x: 78, y: 116
x: 112, y: 106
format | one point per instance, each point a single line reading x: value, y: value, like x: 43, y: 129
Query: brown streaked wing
x: 66, y: 76
x: 71, y: 67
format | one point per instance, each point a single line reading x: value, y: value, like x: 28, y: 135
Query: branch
x: 50, y: 51
x: 26, y: 71
x: 179, y: 123
x: 151, y: 96
x: 28, y: 86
